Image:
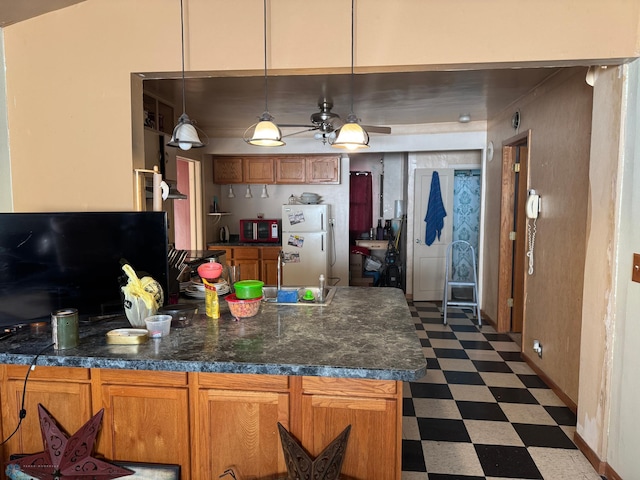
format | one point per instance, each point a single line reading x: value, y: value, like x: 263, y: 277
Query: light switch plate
x: 635, y: 275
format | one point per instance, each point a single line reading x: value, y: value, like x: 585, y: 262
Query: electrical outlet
x: 537, y: 347
x: 332, y: 221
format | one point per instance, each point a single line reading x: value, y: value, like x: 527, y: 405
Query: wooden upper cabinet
x: 258, y: 170
x: 286, y: 170
x: 291, y: 170
x: 227, y: 170
x: 323, y: 170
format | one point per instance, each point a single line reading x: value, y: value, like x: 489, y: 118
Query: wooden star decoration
x: 301, y: 466
x: 68, y: 458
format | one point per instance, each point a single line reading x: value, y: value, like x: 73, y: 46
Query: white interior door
x: 429, y: 261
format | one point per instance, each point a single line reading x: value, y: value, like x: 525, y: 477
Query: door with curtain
x: 429, y: 260
x: 360, y: 204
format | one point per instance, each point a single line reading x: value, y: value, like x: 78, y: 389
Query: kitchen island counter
x: 363, y: 333
x: 209, y: 396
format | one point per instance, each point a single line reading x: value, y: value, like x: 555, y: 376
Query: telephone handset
x: 532, y: 210
x: 533, y: 204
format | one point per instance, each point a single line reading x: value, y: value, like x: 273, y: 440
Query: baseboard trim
x: 603, y: 468
x: 550, y: 383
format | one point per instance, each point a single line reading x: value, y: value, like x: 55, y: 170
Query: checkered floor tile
x: 481, y: 412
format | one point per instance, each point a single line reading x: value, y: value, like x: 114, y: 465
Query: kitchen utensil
x: 181, y: 313
x: 243, y: 308
x: 210, y: 270
x: 158, y: 325
x: 248, y: 289
x: 224, y: 234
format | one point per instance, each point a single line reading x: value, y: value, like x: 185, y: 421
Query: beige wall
x: 599, y: 321
x: 559, y: 115
x: 69, y: 89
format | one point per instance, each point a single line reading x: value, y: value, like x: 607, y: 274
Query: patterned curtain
x: 466, y: 221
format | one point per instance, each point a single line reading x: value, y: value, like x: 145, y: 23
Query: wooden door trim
x: 505, y: 268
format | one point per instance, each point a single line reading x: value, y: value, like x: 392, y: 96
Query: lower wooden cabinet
x: 256, y: 263
x: 237, y: 427
x: 210, y: 422
x: 146, y: 417
x: 64, y: 392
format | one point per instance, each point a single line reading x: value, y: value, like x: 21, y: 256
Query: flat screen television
x: 50, y: 261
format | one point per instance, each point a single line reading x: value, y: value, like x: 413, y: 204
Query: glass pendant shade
x: 264, y: 193
x: 266, y: 133
x: 185, y: 135
x: 248, y: 192
x: 231, y: 194
x: 351, y: 136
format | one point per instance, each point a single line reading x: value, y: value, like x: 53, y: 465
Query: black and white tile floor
x: 481, y: 412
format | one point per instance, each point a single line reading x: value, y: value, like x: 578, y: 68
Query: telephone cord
x: 531, y: 234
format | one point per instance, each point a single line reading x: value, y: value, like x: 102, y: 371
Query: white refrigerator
x: 305, y: 244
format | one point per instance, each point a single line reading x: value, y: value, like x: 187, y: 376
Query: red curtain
x: 360, y: 204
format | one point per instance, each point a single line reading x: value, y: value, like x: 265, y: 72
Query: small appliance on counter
x: 259, y: 230
x: 224, y: 234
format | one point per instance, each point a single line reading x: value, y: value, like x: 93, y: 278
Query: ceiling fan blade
x: 297, y: 125
x: 311, y: 129
x: 376, y: 129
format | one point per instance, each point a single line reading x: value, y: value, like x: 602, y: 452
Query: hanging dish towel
x: 435, y: 211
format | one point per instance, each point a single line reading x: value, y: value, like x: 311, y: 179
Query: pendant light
x: 266, y: 133
x: 351, y: 135
x: 184, y: 134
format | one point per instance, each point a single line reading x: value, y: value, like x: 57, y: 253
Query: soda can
x: 64, y: 325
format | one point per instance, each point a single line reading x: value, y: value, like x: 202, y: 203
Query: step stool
x: 448, y: 283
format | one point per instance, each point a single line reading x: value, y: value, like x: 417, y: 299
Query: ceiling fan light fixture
x: 184, y: 134
x: 266, y: 133
x: 351, y: 136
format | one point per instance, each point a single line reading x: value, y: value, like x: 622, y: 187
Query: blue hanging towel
x: 435, y: 211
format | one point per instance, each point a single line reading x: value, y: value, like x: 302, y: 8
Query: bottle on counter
x: 321, y: 287
x: 379, y: 230
x: 211, y: 302
x: 387, y: 231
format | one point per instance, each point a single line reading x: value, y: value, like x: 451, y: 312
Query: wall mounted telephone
x: 533, y: 204
x: 532, y: 211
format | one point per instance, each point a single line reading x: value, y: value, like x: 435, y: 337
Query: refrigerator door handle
x: 322, y: 243
x: 322, y: 221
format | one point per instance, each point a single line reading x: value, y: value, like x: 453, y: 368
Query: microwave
x: 259, y: 230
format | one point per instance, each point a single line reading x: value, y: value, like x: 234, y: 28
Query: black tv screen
x: 50, y: 261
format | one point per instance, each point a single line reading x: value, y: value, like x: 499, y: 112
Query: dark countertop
x: 364, y: 333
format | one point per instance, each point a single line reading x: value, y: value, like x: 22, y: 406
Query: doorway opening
x: 466, y: 226
x: 513, y: 237
x: 188, y: 213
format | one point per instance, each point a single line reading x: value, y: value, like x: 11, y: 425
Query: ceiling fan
x: 326, y: 122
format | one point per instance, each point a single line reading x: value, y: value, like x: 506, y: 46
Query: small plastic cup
x: 158, y: 325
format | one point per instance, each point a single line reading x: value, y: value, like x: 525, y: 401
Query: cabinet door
x: 146, y: 424
x: 291, y: 170
x: 269, y: 265
x: 258, y: 170
x: 227, y: 170
x: 323, y: 170
x: 239, y: 429
x: 372, y: 450
x: 68, y: 402
x: 373, y: 409
x: 248, y: 259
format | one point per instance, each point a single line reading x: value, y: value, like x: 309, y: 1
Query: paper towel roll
x: 399, y: 209
x: 157, y: 192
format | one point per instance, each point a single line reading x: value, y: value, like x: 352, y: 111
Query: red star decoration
x: 68, y: 458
